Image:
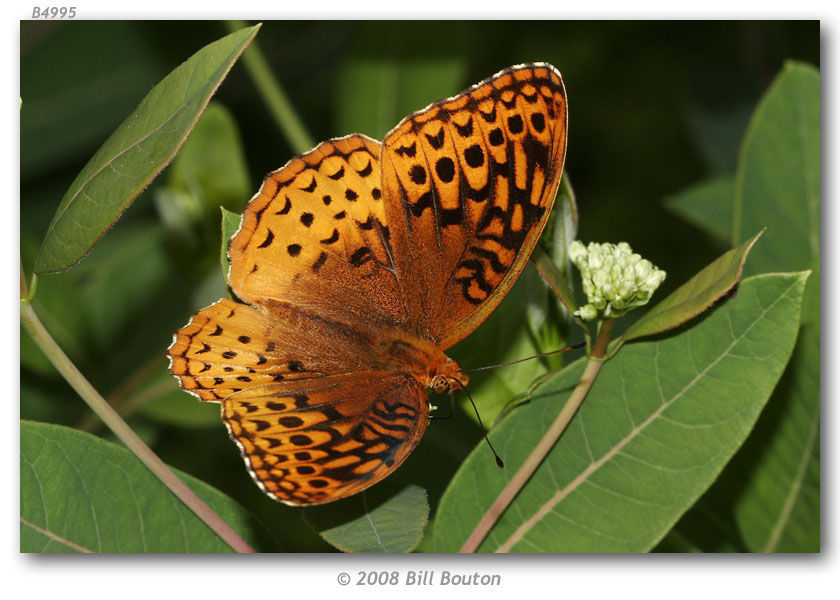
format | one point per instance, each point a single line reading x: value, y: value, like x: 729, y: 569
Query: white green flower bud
x: 615, y: 279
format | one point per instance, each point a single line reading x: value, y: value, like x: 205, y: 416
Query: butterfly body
x: 358, y: 264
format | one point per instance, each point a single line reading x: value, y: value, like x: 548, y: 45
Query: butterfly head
x: 447, y: 377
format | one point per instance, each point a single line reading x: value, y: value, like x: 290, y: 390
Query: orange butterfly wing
x: 475, y: 177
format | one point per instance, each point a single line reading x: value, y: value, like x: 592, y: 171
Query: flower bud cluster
x: 615, y: 279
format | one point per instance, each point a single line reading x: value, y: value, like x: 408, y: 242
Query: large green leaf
x: 381, y: 519
x: 767, y: 499
x: 79, y: 493
x: 658, y: 426
x: 136, y: 152
x: 778, y: 181
x: 779, y: 509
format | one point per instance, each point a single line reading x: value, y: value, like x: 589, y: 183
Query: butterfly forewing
x: 472, y: 181
x: 316, y: 236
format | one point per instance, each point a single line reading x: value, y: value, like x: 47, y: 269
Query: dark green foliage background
x: 654, y: 108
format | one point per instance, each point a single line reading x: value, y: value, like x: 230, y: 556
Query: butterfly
x: 356, y: 265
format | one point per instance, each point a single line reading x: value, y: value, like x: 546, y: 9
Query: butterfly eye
x: 439, y: 384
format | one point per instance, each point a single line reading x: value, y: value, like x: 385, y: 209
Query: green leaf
x: 708, y: 205
x: 135, y: 153
x: 779, y: 507
x: 695, y: 295
x: 659, y: 424
x: 380, y: 519
x: 230, y: 225
x: 79, y: 493
x: 392, y: 90
x: 778, y: 181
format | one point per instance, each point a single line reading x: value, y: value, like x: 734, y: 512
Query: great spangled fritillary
x: 357, y: 265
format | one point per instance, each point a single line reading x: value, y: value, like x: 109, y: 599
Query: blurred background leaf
x: 655, y: 107
x: 708, y: 205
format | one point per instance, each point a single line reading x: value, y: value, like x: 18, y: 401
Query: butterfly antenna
x: 484, y: 431
x: 513, y: 362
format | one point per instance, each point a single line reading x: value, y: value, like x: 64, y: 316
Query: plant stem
x: 94, y: 400
x: 599, y: 350
x: 545, y: 444
x: 274, y: 96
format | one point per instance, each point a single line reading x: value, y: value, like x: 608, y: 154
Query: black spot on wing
x: 436, y: 141
x: 268, y: 239
x: 409, y: 151
x: 361, y: 256
x: 367, y: 170
x: 322, y: 258
x: 466, y: 129
x: 332, y: 239
x: 311, y: 187
x: 286, y: 207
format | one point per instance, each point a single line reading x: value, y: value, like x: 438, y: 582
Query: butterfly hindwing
x: 317, y: 440
x: 471, y: 181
